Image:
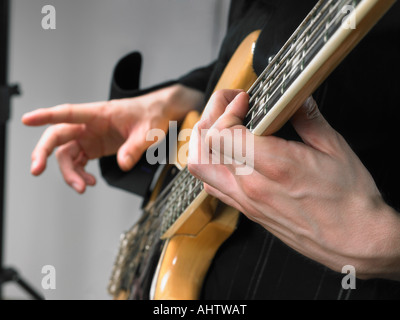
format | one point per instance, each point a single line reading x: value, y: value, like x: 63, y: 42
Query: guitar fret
x: 140, y: 244
x: 185, y: 189
x: 290, y: 62
x: 288, y: 48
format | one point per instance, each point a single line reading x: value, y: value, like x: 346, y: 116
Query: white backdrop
x: 47, y: 223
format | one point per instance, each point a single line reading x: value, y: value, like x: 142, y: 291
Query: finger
x: 89, y: 179
x: 242, y: 151
x: 312, y: 127
x: 234, y: 113
x: 67, y: 156
x: 79, y: 165
x: 216, y: 106
x: 274, y: 158
x: 214, y: 175
x: 68, y: 113
x: 132, y: 150
x: 222, y: 196
x: 227, y: 108
x: 53, y: 137
x: 199, y: 153
x: 226, y: 134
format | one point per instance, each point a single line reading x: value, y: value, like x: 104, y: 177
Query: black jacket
x: 360, y: 99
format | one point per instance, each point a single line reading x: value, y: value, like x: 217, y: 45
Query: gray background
x: 47, y: 223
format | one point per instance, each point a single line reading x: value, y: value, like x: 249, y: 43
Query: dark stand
x: 6, y: 92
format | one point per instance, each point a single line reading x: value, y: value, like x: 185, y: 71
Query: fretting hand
x: 316, y: 196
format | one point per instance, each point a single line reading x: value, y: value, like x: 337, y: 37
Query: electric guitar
x: 167, y: 253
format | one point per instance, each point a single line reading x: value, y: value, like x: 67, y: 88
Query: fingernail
x: 312, y: 110
x: 128, y: 160
x: 76, y: 186
x: 34, y: 165
x: 25, y: 116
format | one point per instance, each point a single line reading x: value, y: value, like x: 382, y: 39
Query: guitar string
x: 169, y: 186
x: 185, y: 172
x: 145, y: 248
x: 282, y: 50
x: 173, y: 196
x: 118, y: 278
x: 161, y: 197
x: 260, y: 107
x: 278, y: 80
x: 278, y: 60
x: 319, y: 25
x: 172, y: 215
x: 124, y: 271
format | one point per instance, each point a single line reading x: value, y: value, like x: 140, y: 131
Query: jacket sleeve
x: 126, y: 77
x: 125, y: 83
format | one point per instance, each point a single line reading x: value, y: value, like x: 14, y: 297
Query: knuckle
x: 251, y: 190
x: 221, y: 125
x: 202, y: 124
x: 337, y: 145
x: 59, y: 153
x: 113, y: 103
x: 63, y: 106
x: 208, y: 189
x: 219, y: 94
x: 280, y: 172
x: 68, y: 105
x: 193, y: 168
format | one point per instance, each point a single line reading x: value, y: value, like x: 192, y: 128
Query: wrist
x: 382, y: 246
x: 389, y: 264
x: 179, y: 100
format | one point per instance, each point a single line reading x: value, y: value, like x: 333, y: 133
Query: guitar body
x: 190, y: 248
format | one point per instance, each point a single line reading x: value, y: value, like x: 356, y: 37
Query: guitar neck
x: 325, y: 37
x: 183, y: 214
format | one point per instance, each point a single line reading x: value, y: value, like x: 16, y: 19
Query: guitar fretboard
x: 184, y: 191
x: 285, y: 67
x: 305, y: 60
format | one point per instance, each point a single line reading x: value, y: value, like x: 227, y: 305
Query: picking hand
x: 92, y: 130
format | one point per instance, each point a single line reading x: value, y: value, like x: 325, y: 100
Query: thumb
x: 312, y: 127
x: 131, y: 151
